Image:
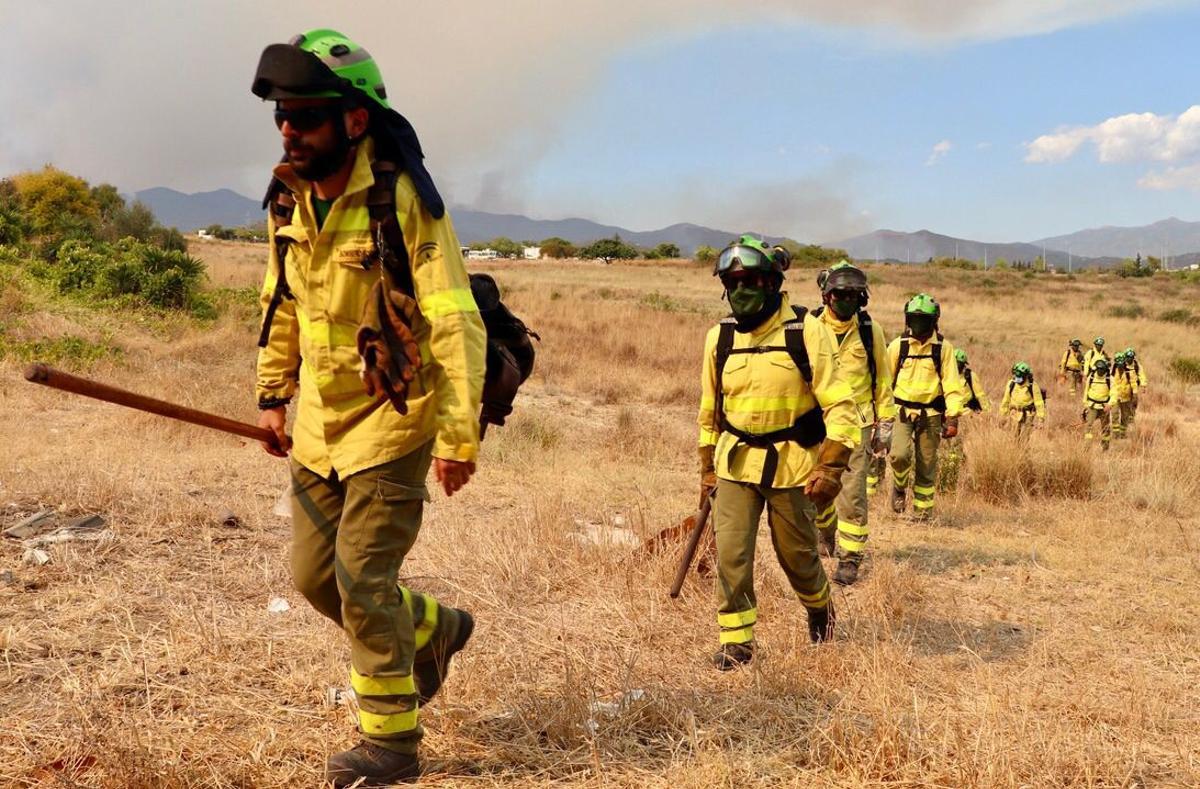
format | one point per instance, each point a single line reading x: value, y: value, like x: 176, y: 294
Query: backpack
x: 809, y: 428
x: 935, y: 353
x: 974, y: 403
x: 510, y: 353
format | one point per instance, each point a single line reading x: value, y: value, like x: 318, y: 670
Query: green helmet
x: 843, y: 275
x: 960, y: 356
x: 922, y: 304
x: 1129, y: 354
x: 1119, y: 360
x: 1099, y: 341
x: 316, y: 64
x: 1021, y: 368
x: 749, y: 253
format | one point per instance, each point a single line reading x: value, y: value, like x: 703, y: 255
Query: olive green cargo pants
x: 1122, y: 418
x: 790, y: 515
x: 349, y: 537
x: 915, y: 441
x: 1093, y: 417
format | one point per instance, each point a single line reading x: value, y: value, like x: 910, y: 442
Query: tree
x: 136, y: 221
x: 56, y: 203
x: 609, y: 249
x: 506, y: 247
x: 664, y: 251
x: 12, y: 220
x: 558, y: 248
x: 705, y: 254
x: 812, y: 255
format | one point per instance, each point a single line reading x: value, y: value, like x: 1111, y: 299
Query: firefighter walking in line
x: 1023, y: 401
x: 1125, y: 390
x: 1139, y: 375
x: 777, y: 427
x: 930, y: 393
x: 1094, y: 354
x: 1072, y: 365
x: 1099, y: 395
x: 384, y: 346
x: 863, y: 364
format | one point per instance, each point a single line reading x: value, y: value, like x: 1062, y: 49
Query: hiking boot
x: 820, y: 623
x: 827, y: 542
x: 374, y: 763
x: 430, y: 674
x: 899, y: 500
x: 923, y: 514
x: 846, y: 572
x: 730, y: 656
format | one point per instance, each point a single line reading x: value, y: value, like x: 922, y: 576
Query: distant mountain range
x: 1095, y: 247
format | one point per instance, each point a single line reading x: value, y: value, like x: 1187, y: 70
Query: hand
x: 275, y: 419
x: 708, y: 483
x: 950, y: 427
x: 823, y: 486
x: 453, y: 474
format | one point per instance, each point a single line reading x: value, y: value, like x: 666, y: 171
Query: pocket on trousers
x: 395, y: 490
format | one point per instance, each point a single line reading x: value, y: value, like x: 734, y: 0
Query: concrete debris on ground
x: 47, y: 527
x: 7, y: 577
x: 35, y: 556
x: 278, y: 605
x: 336, y: 697
x: 283, y: 506
x: 611, y: 709
x: 614, y: 534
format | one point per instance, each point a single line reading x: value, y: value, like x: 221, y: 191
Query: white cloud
x: 1132, y: 137
x: 939, y: 150
x: 1186, y: 177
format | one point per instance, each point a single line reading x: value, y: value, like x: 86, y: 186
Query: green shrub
x: 1186, y: 369
x: 1125, y: 311
x: 69, y: 348
x: 77, y: 266
x: 1180, y: 316
x: 159, y: 277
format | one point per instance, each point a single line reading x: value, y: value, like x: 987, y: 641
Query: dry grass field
x: 1044, y: 632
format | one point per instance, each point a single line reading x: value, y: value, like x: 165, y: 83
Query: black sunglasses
x: 306, y: 119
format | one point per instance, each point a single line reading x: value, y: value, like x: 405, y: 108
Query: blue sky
x: 854, y: 115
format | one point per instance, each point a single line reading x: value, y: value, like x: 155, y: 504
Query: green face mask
x: 844, y: 309
x: 747, y: 300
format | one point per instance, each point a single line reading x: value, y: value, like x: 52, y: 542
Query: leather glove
x: 881, y: 438
x: 950, y: 427
x: 386, y: 345
x: 708, y: 472
x: 825, y: 480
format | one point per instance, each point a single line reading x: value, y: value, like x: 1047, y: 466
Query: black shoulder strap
x: 282, y: 203
x: 866, y: 332
x: 387, y: 237
x: 724, y: 346
x: 936, y: 352
x: 904, y: 341
x: 793, y: 338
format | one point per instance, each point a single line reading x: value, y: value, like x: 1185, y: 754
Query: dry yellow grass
x: 1049, y: 638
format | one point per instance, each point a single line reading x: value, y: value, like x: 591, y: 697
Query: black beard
x: 323, y: 164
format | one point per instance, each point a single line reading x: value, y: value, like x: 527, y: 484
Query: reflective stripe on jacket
x: 764, y: 392
x: 311, y: 345
x: 1098, y: 392
x: 1089, y: 360
x: 918, y: 380
x: 1125, y: 385
x: 974, y: 389
x: 853, y: 367
x: 1070, y: 361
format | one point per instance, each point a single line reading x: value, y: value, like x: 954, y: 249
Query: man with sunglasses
x: 777, y: 426
x: 369, y: 318
x: 863, y: 363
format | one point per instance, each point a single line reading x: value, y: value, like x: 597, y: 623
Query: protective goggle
x: 306, y: 119
x: 749, y: 258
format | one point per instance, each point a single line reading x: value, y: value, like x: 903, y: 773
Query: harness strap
x: 282, y: 204
x: 387, y: 238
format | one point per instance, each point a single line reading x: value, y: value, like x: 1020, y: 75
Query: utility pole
x: 1069, y: 261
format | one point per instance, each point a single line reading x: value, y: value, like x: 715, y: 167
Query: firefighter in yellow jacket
x: 863, y: 364
x: 929, y: 391
x: 1099, y: 396
x: 370, y: 322
x: 1139, y: 374
x: 1094, y: 354
x: 777, y: 427
x: 1023, y: 401
x: 1125, y: 387
x: 1072, y: 365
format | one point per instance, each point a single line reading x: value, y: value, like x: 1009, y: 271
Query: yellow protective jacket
x: 1098, y: 391
x: 1090, y: 359
x: 311, y: 345
x: 765, y: 392
x: 918, y: 382
x: 1071, y: 361
x: 1139, y: 373
x: 1125, y: 385
x: 1019, y: 398
x: 851, y: 357
x: 973, y: 390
